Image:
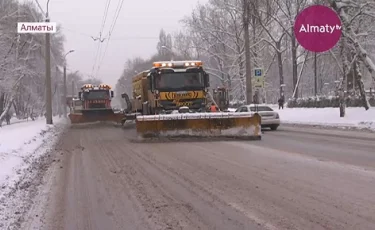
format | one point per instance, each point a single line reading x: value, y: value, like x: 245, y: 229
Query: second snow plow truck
x: 173, y: 99
x: 221, y: 97
x: 95, y: 105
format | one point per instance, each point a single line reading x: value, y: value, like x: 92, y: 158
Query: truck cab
x: 96, y: 97
x: 177, y: 84
x: 221, y: 97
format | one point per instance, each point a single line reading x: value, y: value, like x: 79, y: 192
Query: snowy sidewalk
x: 24, y: 155
x: 18, y: 144
x: 354, y: 118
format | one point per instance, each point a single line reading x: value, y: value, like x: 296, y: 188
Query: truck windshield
x: 78, y: 103
x: 97, y: 94
x: 179, y: 81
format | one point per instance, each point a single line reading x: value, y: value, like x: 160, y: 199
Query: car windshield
x: 261, y: 109
x: 179, y: 81
x: 97, y: 94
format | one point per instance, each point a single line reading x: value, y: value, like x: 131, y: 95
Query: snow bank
x: 15, y: 120
x: 355, y: 117
x: 185, y: 116
x: 18, y: 142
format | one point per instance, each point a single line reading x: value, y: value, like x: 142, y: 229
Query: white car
x: 270, y: 118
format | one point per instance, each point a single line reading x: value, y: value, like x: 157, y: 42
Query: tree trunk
x: 6, y: 110
x: 294, y: 64
x: 315, y: 75
x: 280, y: 67
x: 246, y: 15
x: 361, y: 86
x: 2, y: 101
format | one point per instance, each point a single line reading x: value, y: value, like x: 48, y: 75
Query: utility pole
x: 65, y: 92
x: 315, y: 76
x: 65, y: 86
x: 73, y: 93
x: 245, y: 17
x: 48, y: 78
x: 58, y: 92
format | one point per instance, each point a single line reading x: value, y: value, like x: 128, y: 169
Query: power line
x: 101, y: 40
x: 112, y: 39
x: 119, y: 5
x: 105, y: 17
x: 110, y: 33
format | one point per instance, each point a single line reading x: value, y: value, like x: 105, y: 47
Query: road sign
x: 258, y: 81
x: 258, y: 72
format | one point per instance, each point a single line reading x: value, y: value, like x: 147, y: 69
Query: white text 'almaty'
x: 319, y: 29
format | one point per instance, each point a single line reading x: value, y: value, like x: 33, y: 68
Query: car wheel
x: 274, y: 127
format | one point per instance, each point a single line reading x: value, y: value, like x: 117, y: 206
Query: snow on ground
x: 18, y: 142
x: 15, y: 120
x: 24, y: 154
x: 354, y: 118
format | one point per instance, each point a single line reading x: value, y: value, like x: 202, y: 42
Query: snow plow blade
x: 208, y: 125
x: 89, y: 116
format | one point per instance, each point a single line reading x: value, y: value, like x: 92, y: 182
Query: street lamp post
x: 65, y: 86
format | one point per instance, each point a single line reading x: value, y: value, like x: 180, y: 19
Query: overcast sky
x: 135, y: 33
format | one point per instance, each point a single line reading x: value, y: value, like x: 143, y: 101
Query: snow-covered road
x: 24, y: 149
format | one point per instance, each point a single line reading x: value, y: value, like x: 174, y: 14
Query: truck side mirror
x: 112, y: 94
x: 206, y: 79
x: 151, y: 82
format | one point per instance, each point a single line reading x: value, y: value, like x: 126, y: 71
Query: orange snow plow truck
x: 172, y: 99
x: 95, y: 105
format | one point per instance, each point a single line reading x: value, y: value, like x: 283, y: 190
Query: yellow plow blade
x: 227, y: 125
x: 90, y: 116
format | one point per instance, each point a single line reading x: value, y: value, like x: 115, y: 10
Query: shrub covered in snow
x: 326, y: 101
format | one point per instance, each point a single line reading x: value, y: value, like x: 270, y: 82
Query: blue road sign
x: 258, y: 73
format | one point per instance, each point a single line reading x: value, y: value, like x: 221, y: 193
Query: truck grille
x: 170, y: 105
x: 97, y: 105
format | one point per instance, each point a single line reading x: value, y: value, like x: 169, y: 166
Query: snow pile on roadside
x: 18, y: 142
x: 23, y: 151
x: 354, y: 118
x: 15, y: 120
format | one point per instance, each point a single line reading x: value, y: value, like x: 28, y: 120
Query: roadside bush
x: 326, y: 102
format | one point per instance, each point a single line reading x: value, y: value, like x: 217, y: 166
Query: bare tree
x: 22, y: 61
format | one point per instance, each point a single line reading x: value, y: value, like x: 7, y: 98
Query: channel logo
x: 36, y: 27
x: 317, y: 28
